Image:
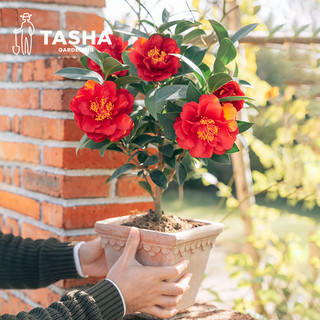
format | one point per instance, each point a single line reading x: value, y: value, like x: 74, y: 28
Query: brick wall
x: 45, y: 190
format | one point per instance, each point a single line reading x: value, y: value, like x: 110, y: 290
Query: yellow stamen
x: 210, y: 131
x: 102, y: 108
x: 156, y: 55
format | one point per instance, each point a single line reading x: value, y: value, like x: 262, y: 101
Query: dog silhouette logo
x: 24, y: 34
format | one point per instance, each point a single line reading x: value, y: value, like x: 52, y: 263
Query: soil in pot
x: 168, y: 223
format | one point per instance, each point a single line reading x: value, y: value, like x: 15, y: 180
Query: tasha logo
x: 23, y: 36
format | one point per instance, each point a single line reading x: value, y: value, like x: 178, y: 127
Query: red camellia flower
x: 101, y: 111
x: 206, y: 127
x: 115, y: 50
x: 152, y: 60
x: 228, y: 90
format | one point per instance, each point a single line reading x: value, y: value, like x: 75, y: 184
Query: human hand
x: 92, y: 259
x: 148, y: 289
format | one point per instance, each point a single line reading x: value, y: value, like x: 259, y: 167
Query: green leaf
x: 167, y: 25
x: 224, y: 158
x: 219, y: 29
x: 149, y: 23
x: 170, y: 161
x: 167, y: 120
x: 218, y: 80
x: 236, y: 71
x: 146, y: 186
x: 233, y: 149
x: 275, y: 29
x: 245, y: 83
x: 145, y: 139
x: 159, y: 178
x: 104, y: 148
x: 251, y: 105
x: 173, y: 92
x: 244, y: 126
x: 127, y: 61
x: 82, y: 143
x: 167, y: 150
x: 235, y: 98
x: 121, y: 170
x: 122, y: 81
x: 181, y: 173
x: 111, y: 65
x: 218, y: 66
x: 227, y: 51
x: 142, y: 156
x: 243, y: 32
x: 193, y: 34
x: 92, y: 53
x: 153, y: 106
x: 195, y: 54
x: 185, y: 25
x: 80, y: 74
x: 84, y: 62
x: 127, y: 30
x: 191, y: 64
x: 165, y: 15
x: 193, y: 94
x: 171, y: 107
x: 150, y: 161
x: 205, y: 71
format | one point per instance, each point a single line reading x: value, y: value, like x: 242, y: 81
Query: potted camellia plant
x: 186, y: 114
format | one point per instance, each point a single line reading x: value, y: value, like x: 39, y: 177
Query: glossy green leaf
x: 159, y: 178
x: 142, y: 156
x: 243, y: 32
x: 84, y: 62
x: 145, y: 139
x: 193, y: 94
x: 224, y: 158
x: 170, y: 161
x: 181, y: 173
x: 167, y: 120
x: 244, y: 126
x: 205, y: 71
x: 219, y: 66
x: 82, y: 143
x: 146, y: 186
x: 235, y: 98
x: 233, y: 149
x: 218, y: 80
x: 92, y: 53
x: 126, y: 60
x: 111, y: 65
x: 185, y: 25
x: 227, y: 51
x: 219, y: 29
x: 173, y: 92
x: 172, y: 107
x: 165, y: 15
x: 150, y: 161
x: 80, y: 74
x: 193, y: 34
x: 121, y: 170
x: 153, y: 106
x: 167, y: 150
x: 167, y: 25
x: 127, y: 30
x: 122, y: 81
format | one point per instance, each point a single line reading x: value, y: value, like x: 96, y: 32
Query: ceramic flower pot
x: 160, y: 249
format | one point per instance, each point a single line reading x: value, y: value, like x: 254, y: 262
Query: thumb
x: 132, y: 244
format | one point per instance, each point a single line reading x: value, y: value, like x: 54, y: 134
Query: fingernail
x: 134, y: 232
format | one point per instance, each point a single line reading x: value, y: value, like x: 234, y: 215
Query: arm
x: 100, y: 302
x: 27, y: 263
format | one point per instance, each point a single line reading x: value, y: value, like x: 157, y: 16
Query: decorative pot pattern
x: 160, y: 249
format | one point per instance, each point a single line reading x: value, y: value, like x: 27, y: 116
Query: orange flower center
x: 156, y: 55
x: 102, y: 108
x: 208, y: 132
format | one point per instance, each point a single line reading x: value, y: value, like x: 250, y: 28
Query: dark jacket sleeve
x: 29, y: 264
x: 100, y: 302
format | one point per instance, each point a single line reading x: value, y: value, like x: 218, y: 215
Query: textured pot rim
x: 209, y: 229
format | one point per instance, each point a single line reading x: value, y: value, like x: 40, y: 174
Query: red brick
x: 13, y: 305
x: 127, y: 186
x: 57, y: 100
x: 4, y: 123
x: 11, y: 226
x: 33, y: 70
x: 46, y: 128
x: 10, y: 17
x: 76, y: 283
x: 85, y: 216
x: 84, y: 21
x: 20, y: 98
x: 16, y: 124
x: 21, y: 204
x: 93, y: 3
x: 66, y: 158
x: 30, y: 231
x: 16, y: 151
x: 3, y: 71
x: 42, y: 19
x: 8, y: 175
x: 43, y: 296
x: 16, y: 177
x: 67, y: 187
x: 1, y: 175
x: 15, y: 72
